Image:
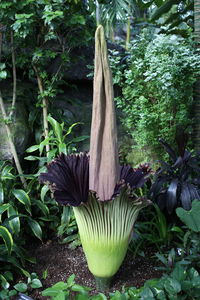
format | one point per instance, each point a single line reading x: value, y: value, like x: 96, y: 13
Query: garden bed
x: 60, y: 262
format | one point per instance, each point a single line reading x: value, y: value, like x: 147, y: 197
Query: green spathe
x: 105, y: 229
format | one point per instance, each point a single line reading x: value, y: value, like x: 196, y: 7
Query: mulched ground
x: 60, y: 262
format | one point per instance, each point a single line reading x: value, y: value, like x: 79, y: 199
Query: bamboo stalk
x: 12, y: 146
x: 44, y: 108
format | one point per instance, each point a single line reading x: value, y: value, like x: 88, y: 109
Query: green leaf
x: 70, y: 280
x: 62, y: 148
x: 57, y: 128
x: 82, y: 297
x: 21, y: 287
x: 8, y: 275
x: 4, y: 207
x: 5, y: 174
x: 71, y: 127
x: 45, y: 274
x: 1, y: 193
x: 3, y: 282
x: 43, y: 207
x: 36, y: 283
x: 61, y: 295
x: 55, y: 289
x: 44, y: 190
x: 191, y: 217
x: 81, y: 289
x: 32, y: 148
x: 7, y: 237
x: 23, y: 197
x: 100, y: 296
x: 15, y: 222
x: 35, y: 227
x: 172, y: 286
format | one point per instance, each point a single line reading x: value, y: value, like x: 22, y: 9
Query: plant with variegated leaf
x: 99, y: 189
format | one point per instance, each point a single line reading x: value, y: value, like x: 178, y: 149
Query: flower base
x: 103, y: 284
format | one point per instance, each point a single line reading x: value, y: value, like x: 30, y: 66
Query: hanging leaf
x: 44, y: 190
x: 15, y: 222
x: 23, y: 197
x: 7, y: 237
x: 3, y: 208
x: 35, y: 227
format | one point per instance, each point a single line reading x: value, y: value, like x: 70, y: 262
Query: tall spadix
x: 104, y: 161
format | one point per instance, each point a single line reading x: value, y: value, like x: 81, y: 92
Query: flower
x: 68, y: 177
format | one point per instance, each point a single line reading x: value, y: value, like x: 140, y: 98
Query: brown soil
x: 60, y: 262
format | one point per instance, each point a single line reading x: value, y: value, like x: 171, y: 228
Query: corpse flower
x: 99, y: 189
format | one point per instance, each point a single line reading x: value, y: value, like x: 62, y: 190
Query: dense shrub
x: 156, y: 78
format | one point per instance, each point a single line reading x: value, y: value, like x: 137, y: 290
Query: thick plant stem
x: 44, y: 108
x: 103, y: 284
x: 12, y: 146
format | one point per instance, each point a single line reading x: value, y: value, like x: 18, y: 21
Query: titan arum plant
x: 99, y: 189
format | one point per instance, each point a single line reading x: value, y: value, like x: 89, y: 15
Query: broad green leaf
x: 81, y: 289
x: 61, y: 295
x: 50, y: 292
x: 21, y: 287
x: 1, y: 193
x: 36, y: 283
x: 172, y: 286
x: 15, y: 222
x: 44, y: 190
x: 23, y: 197
x: 4, y: 207
x: 191, y: 217
x: 7, y: 237
x: 35, y: 227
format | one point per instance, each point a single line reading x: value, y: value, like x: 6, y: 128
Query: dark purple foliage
x: 68, y: 176
x: 177, y: 184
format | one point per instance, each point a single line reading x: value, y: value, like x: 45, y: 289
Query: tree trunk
x: 196, y: 127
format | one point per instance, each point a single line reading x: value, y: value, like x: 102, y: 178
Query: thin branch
x: 12, y: 146
x: 44, y: 107
x: 14, y: 75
